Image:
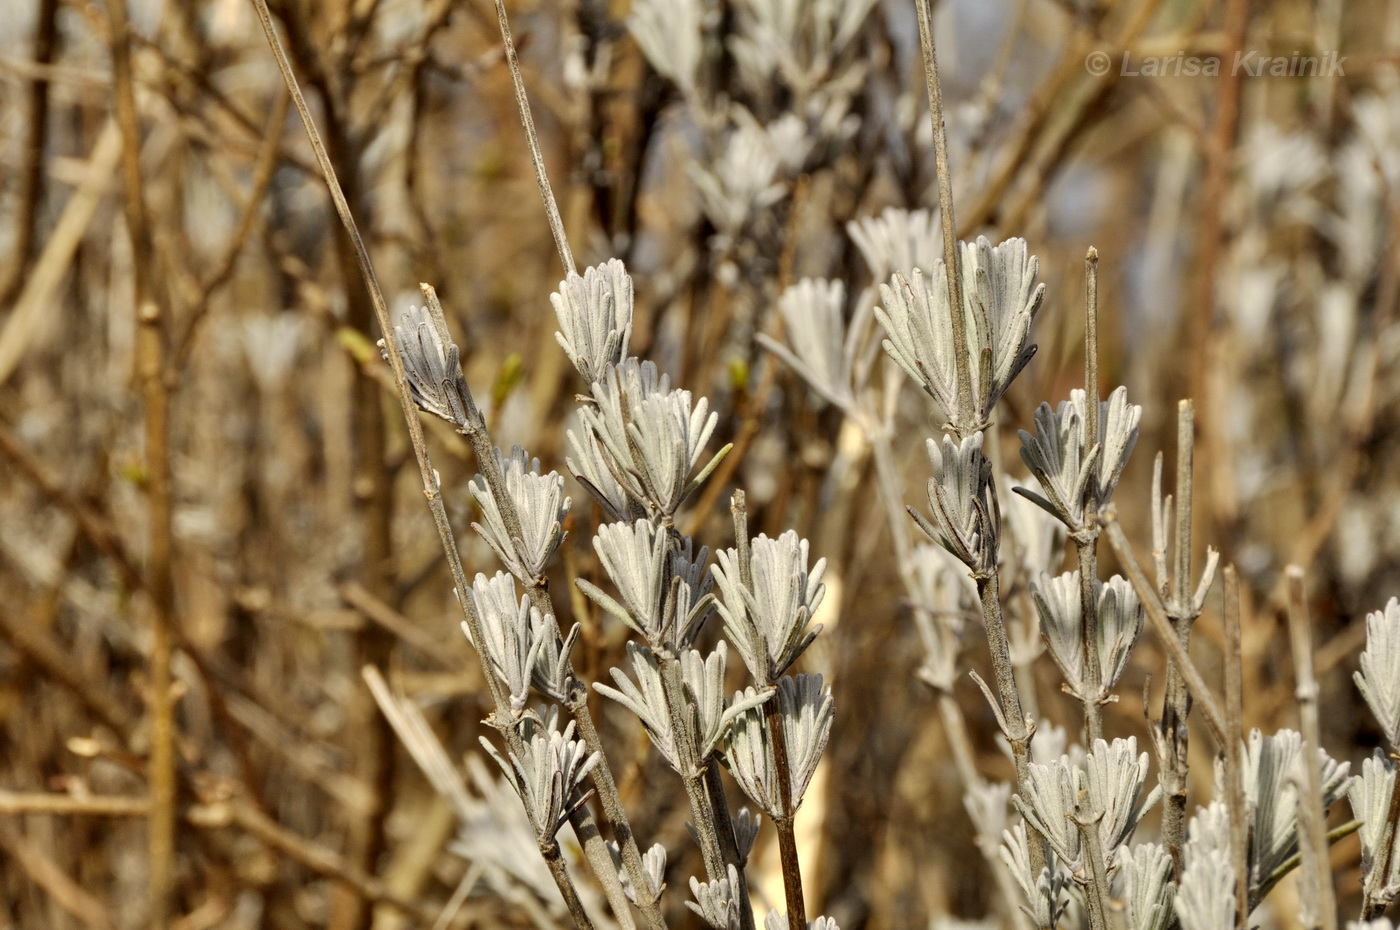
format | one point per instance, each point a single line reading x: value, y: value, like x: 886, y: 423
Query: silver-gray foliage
x: 550, y: 778
x: 522, y: 645
x: 432, y: 364
x: 594, y: 310
x: 768, y: 622
x: 718, y: 902
x: 966, y: 519
x: 1379, y: 678
x: 702, y: 687
x: 1078, y: 472
x: 1000, y: 300
x: 541, y: 506
x: 1145, y: 872
x: 1370, y: 797
x: 1059, y: 604
x: 1107, y: 785
x: 663, y: 587
x: 648, y: 438
x: 805, y: 712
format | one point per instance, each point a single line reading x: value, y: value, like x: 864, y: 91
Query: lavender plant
x: 960, y: 329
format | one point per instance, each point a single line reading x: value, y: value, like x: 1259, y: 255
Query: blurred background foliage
x: 1250, y: 260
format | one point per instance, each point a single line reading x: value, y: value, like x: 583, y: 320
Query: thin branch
x: 1234, y: 768
x: 961, y: 354
x: 1312, y: 816
x: 551, y: 209
x: 155, y: 394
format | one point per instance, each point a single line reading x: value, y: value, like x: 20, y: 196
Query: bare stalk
x: 560, y: 873
x: 1234, y: 768
x: 1096, y: 896
x: 945, y: 210
x: 1018, y: 732
x: 1086, y: 537
x: 1321, y: 897
x: 551, y: 209
x: 152, y: 326
x: 1173, y: 734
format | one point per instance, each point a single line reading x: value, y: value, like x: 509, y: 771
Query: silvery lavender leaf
x: 1379, y: 678
x: 1050, y: 805
x: 777, y: 920
x: 1108, y: 782
x: 1370, y: 797
x: 1273, y: 797
x: 746, y: 825
x: 966, y: 520
x: 653, y: 865
x: 1079, y: 472
x: 898, y: 240
x: 805, y: 709
x: 595, y: 318
x: 702, y: 680
x: 550, y: 779
x: 702, y: 684
x: 717, y: 902
x: 1148, y: 891
x: 588, y: 464
x: 669, y: 35
x: 646, y: 699
x: 1000, y: 300
x: 1205, y: 897
x: 1114, y: 776
x: 432, y: 364
x: 664, y: 588
x: 987, y: 807
x: 541, y: 506
x: 817, y: 340
x: 768, y: 624
x: 1045, y: 895
x: 552, y: 671
x: 946, y: 598
x: 511, y: 646
x: 648, y: 435
x: 743, y: 180
x: 1057, y: 600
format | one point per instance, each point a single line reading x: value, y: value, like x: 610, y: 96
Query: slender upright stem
x: 1176, y: 704
x: 773, y: 720
x: 502, y: 717
x: 1085, y: 544
x: 551, y: 209
x: 692, y: 774
x: 1234, y: 768
x: 1321, y: 897
x: 1018, y: 733
x: 1086, y: 537
x: 560, y: 873
x: 1096, y: 896
x: 152, y: 327
x: 961, y: 353
x: 1091, y: 343
x: 595, y: 849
